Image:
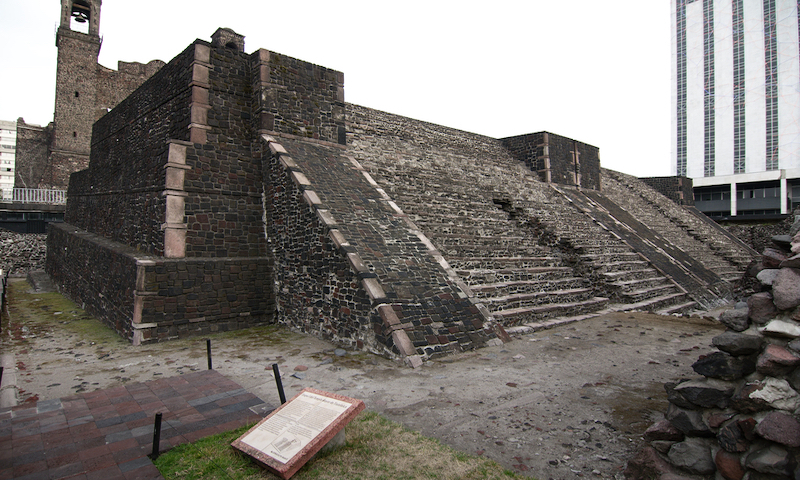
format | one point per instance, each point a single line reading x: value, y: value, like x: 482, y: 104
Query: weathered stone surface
x: 732, y: 439
x: 707, y: 392
x: 777, y: 394
x: 662, y: 446
x: 780, y: 428
x: 772, y: 257
x: 781, y: 328
x: 786, y: 289
x: 776, y: 361
x: 689, y: 422
x: 647, y: 464
x: 694, y: 455
x: 791, y: 262
x: 771, y: 459
x: 675, y: 397
x: 715, y: 420
x: 796, y: 244
x: 767, y: 276
x: 737, y: 319
x: 794, y: 379
x: 761, y: 309
x: 743, y: 402
x: 663, y: 430
x: 738, y: 344
x: 728, y: 465
x: 724, y: 366
x: 794, y: 345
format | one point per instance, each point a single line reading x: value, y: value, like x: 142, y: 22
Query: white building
x: 736, y: 104
x: 8, y: 150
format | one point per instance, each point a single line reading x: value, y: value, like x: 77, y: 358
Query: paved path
x: 107, y: 434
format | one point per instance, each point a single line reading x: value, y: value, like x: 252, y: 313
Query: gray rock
x: 794, y: 345
x: 791, y: 262
x: 795, y: 228
x: 761, y: 308
x: 707, y: 392
x: 662, y: 446
x: 767, y: 276
x: 782, y: 241
x: 738, y: 344
x: 724, y: 366
x: 736, y: 319
x: 774, y: 393
x: 689, y: 422
x: 675, y: 397
x: 663, y: 430
x: 694, y: 455
x: 770, y: 459
x: 732, y: 439
x: 781, y: 328
x: 786, y: 289
x: 740, y: 305
x: 776, y: 361
x: 780, y: 428
x: 772, y: 257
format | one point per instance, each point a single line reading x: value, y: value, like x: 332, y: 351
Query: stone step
x: 549, y: 323
x: 684, y: 307
x: 496, y: 263
x: 628, y: 275
x: 522, y: 300
x: 535, y: 274
x: 635, y: 296
x: 641, y: 283
x: 526, y: 286
x: 492, y: 251
x: 610, y: 257
x: 483, y: 241
x: 622, y: 266
x: 653, y: 304
x: 524, y: 315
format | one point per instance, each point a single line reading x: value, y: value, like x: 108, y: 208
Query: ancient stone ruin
x: 738, y: 418
x: 234, y: 189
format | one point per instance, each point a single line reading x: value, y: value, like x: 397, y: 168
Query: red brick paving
x: 104, y: 434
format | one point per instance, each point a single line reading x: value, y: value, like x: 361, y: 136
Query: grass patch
x: 41, y: 314
x: 376, y: 448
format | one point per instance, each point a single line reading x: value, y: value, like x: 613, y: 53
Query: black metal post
x: 208, y: 352
x: 156, y: 436
x: 278, y: 382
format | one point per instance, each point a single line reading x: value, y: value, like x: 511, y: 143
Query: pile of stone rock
x: 740, y: 419
x: 21, y: 253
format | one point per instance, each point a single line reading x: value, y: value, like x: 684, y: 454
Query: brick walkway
x: 107, y: 434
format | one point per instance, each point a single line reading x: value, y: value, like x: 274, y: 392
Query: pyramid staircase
x: 693, y: 234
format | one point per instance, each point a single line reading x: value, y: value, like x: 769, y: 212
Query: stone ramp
x: 684, y: 226
x: 107, y: 434
x: 701, y: 284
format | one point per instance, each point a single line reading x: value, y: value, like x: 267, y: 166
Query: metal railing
x: 37, y: 195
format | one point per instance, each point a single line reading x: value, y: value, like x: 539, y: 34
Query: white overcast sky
x: 594, y: 71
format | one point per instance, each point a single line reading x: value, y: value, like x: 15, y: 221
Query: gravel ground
x: 564, y: 403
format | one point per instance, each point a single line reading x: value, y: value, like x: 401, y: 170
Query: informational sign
x: 285, y: 440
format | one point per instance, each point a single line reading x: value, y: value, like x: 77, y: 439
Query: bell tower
x: 76, y: 85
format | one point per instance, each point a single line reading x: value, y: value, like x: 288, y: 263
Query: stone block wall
x: 33, y: 143
x: 553, y: 158
x: 677, y: 189
x: 172, y: 199
x: 120, y: 195
x: 298, y: 98
x: 113, y: 86
x: 147, y: 299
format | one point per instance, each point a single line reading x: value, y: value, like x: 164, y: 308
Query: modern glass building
x: 736, y: 104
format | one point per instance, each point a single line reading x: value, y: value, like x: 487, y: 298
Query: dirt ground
x: 562, y: 403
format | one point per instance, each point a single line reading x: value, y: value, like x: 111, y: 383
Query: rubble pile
x: 22, y: 252
x: 741, y: 417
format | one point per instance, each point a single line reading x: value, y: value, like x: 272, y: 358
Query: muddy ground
x: 562, y: 403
